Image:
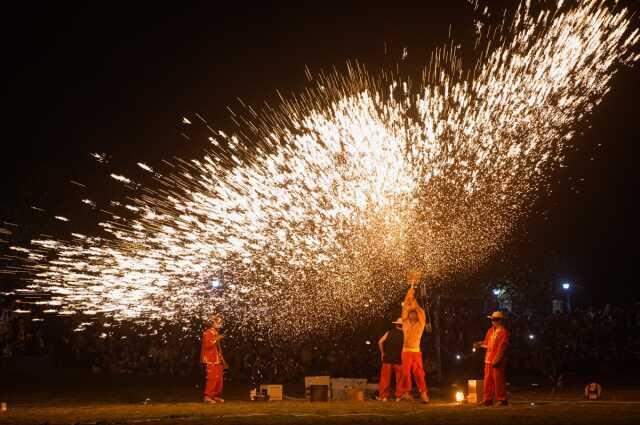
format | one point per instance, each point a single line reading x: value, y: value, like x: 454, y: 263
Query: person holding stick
x: 414, y: 321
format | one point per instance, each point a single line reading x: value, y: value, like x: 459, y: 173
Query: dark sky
x: 118, y: 79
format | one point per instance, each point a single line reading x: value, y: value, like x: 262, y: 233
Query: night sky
x: 103, y: 78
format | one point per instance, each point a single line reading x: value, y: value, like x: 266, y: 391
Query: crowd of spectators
x: 597, y: 342
x: 175, y: 351
x: 585, y: 342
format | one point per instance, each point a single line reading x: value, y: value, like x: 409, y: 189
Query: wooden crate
x: 475, y: 391
x: 316, y: 380
x: 274, y: 392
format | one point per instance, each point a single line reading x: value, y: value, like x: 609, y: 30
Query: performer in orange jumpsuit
x: 391, y: 352
x: 496, y: 342
x: 213, y: 361
x: 413, y: 323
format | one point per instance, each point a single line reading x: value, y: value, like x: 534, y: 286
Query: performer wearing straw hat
x: 496, y: 342
x: 213, y: 361
x: 390, y: 346
x: 414, y: 320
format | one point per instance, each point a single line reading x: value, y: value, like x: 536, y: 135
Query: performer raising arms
x: 414, y: 321
x: 213, y: 361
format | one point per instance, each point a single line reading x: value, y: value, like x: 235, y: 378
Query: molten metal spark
x: 315, y: 211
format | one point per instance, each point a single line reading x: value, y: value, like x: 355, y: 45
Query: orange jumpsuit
x: 496, y: 342
x: 211, y: 357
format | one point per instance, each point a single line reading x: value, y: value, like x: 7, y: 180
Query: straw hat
x: 496, y: 315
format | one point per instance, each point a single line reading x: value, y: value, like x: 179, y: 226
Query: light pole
x: 497, y: 292
x: 566, y: 287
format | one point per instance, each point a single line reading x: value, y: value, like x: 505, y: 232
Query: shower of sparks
x: 309, y: 217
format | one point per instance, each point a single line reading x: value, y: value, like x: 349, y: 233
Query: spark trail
x: 312, y: 213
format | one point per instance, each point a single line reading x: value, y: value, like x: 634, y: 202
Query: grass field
x: 294, y: 412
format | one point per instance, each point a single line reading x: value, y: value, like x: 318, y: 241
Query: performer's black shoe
x: 488, y: 402
x: 503, y: 403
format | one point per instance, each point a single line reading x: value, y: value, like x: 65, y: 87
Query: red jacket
x: 496, y: 342
x: 210, y: 351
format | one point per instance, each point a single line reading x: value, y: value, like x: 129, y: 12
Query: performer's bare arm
x: 409, y: 303
x: 381, y: 342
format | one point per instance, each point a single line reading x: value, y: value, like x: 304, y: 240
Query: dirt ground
x: 565, y: 411
x: 94, y: 400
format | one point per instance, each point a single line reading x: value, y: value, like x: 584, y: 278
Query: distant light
x: 458, y: 356
x: 532, y: 336
x: 215, y: 283
x: 368, y: 342
x: 459, y: 396
x: 473, y: 349
x: 566, y: 286
x: 496, y: 291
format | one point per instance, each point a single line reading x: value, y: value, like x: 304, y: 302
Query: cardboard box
x: 475, y: 391
x: 355, y: 394
x: 316, y: 380
x: 275, y: 392
x: 339, y: 386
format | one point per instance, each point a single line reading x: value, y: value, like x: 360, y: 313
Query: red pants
x: 213, y: 386
x: 384, y: 389
x: 412, y: 365
x: 494, y: 386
